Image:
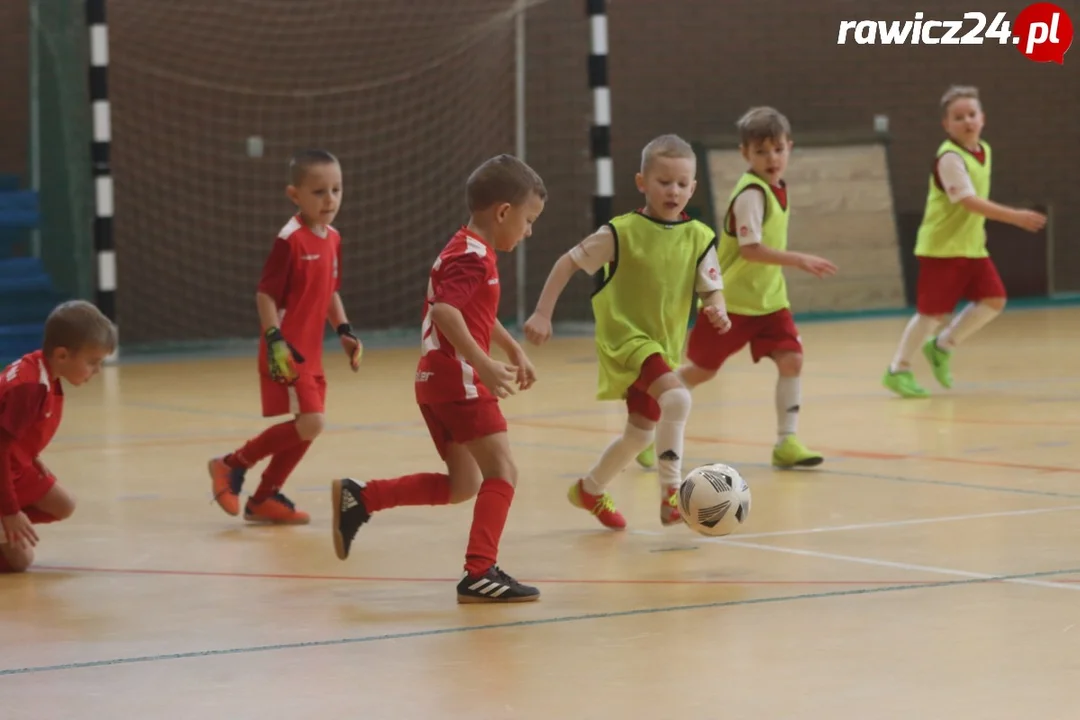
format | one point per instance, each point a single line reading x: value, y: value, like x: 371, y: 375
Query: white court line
x: 898, y: 565
x: 887, y: 563
x: 886, y: 524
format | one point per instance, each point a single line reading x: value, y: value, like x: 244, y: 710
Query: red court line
x: 842, y: 452
x: 546, y: 581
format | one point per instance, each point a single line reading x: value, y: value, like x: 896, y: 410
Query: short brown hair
x: 76, y: 325
x: 502, y: 179
x: 666, y: 146
x: 304, y: 160
x: 763, y: 123
x: 957, y: 92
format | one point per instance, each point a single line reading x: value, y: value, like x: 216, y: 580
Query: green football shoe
x: 792, y: 453
x: 939, y: 361
x: 904, y: 384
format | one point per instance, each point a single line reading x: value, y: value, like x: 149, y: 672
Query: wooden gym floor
x: 929, y: 569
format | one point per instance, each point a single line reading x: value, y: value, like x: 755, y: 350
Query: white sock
x: 674, y: 412
x: 973, y: 318
x: 788, y: 394
x: 617, y: 456
x: 918, y: 329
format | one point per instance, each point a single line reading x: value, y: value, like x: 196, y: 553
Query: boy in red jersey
x: 458, y: 384
x: 297, y: 294
x: 78, y: 338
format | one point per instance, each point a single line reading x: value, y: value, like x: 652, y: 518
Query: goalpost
x: 207, y: 100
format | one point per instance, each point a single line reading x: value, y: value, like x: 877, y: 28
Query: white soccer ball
x: 714, y: 500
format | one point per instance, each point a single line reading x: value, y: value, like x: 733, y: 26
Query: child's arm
x: 268, y: 311
x: 338, y: 320
x: 589, y: 255
x: 812, y: 264
x: 526, y: 373
x: 461, y: 278
x: 506, y: 342
x: 1026, y: 219
x: 749, y: 213
x: 498, y: 377
x: 955, y: 180
x: 281, y: 357
x: 710, y: 288
x: 335, y: 314
x: 17, y: 528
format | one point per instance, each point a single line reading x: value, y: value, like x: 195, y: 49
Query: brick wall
x: 685, y: 66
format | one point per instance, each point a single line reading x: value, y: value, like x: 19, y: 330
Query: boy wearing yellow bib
x: 753, y: 252
x: 654, y: 261
x: 951, y: 247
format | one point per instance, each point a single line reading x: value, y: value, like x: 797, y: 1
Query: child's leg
x: 647, y: 457
x: 776, y: 336
x: 987, y: 294
x: 789, y: 450
x: 918, y: 329
x: 267, y: 503
x: 617, y: 455
x: 15, y: 559
x: 590, y: 492
x: 483, y: 581
x: 644, y: 411
x: 674, y: 401
x: 43, y: 502
x: 939, y: 288
x: 56, y: 505
x: 287, y: 442
x: 973, y: 318
x: 706, y: 352
x: 354, y: 502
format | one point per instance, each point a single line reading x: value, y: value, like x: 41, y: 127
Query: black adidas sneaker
x: 349, y: 513
x: 494, y: 586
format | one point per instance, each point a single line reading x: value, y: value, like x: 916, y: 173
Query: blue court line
x: 528, y: 623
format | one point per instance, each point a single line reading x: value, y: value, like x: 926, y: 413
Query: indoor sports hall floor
x: 930, y: 569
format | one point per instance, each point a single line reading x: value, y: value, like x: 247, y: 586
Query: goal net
x: 209, y: 100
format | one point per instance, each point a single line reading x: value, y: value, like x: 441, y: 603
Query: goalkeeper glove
x: 281, y: 357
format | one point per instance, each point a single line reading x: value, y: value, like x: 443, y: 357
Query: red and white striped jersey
x: 465, y: 276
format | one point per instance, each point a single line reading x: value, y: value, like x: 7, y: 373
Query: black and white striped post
x: 99, y: 155
x: 600, y: 132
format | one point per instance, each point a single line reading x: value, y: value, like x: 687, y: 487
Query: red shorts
x: 32, y: 483
x: 638, y: 399
x: 766, y: 334
x: 462, y: 421
x: 306, y: 395
x: 943, y: 282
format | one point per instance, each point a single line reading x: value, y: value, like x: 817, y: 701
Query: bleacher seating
x: 27, y: 293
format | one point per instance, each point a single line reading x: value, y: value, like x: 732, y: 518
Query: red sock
x: 419, y: 489
x: 489, y: 519
x: 277, y: 472
x: 39, y: 517
x: 271, y: 440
